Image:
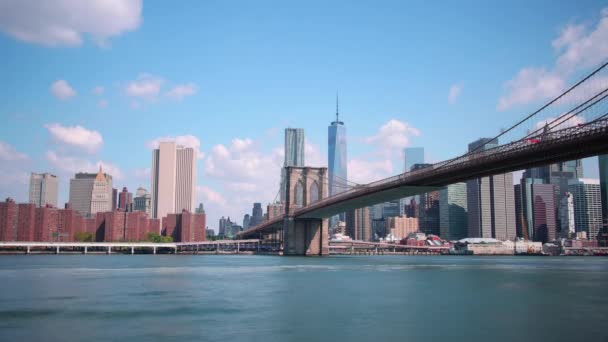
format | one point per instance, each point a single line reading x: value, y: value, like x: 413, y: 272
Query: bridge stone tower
x: 304, y: 186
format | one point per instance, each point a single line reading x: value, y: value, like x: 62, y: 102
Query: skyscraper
x: 222, y: 226
x: 294, y: 147
x: 43, y: 189
x: 428, y: 213
x: 587, y: 206
x: 125, y: 200
x: 566, y: 214
x: 173, y: 179
x: 101, y: 198
x: 603, y: 164
x: 453, y: 212
x: 411, y: 156
x: 256, y: 215
x: 81, y: 192
x: 337, y: 161
x: 143, y: 201
x: 294, y: 154
x: 246, y: 221
x: 490, y: 201
x: 358, y: 224
x: 536, y: 210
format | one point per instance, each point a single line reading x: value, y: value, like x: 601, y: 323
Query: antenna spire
x: 337, y: 107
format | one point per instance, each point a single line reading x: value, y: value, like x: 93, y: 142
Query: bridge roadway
x: 570, y: 143
x: 28, y: 246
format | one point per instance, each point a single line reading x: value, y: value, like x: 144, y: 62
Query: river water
x: 268, y: 298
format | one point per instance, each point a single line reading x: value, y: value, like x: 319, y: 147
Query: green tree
x: 83, y: 237
x: 154, y: 237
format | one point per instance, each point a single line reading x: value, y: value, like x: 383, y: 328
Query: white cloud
x: 210, y: 196
x: 145, y: 86
x: 183, y: 140
x: 392, y: 136
x: 454, y: 93
x: 62, y: 90
x: 180, y: 91
x: 577, y: 47
x: 562, y: 123
x: 313, y: 155
x: 102, y: 103
x: 582, y: 47
x: 76, y: 136
x: 241, y: 162
x: 71, y: 165
x: 99, y: 90
x: 531, y: 84
x: 244, y: 174
x: 65, y: 22
x: 363, y: 171
x: 9, y: 153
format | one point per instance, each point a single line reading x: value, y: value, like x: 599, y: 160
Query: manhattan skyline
x: 64, y: 117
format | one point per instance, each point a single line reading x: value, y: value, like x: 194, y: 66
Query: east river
x: 269, y: 298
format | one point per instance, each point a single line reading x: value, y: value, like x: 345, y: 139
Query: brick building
x: 25, y: 222
x: 9, y: 213
x: 184, y: 227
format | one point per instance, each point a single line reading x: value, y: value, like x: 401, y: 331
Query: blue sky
x: 100, y: 81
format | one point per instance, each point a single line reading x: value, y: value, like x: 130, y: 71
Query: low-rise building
x: 486, y: 246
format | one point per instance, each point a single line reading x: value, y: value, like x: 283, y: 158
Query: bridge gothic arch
x: 304, y: 186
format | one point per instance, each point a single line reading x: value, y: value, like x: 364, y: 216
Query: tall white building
x: 173, y: 179
x: 587, y: 205
x: 91, y: 192
x: 43, y: 189
x: 101, y: 196
x: 566, y: 214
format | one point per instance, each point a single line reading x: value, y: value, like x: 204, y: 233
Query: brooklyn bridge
x: 572, y: 125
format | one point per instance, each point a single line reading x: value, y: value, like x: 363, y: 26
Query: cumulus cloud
x: 582, y: 46
x: 393, y: 136
x: 183, y: 140
x: 76, y: 136
x: 102, y: 103
x: 577, y: 47
x: 365, y: 171
x: 210, y: 196
x: 531, y: 84
x: 454, y: 93
x: 71, y: 165
x: 66, y: 22
x: 244, y: 174
x: 241, y: 161
x: 62, y: 90
x: 145, y: 86
x: 9, y: 153
x: 180, y: 91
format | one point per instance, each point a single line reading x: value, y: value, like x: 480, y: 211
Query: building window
x: 299, y: 194
x: 314, y: 192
